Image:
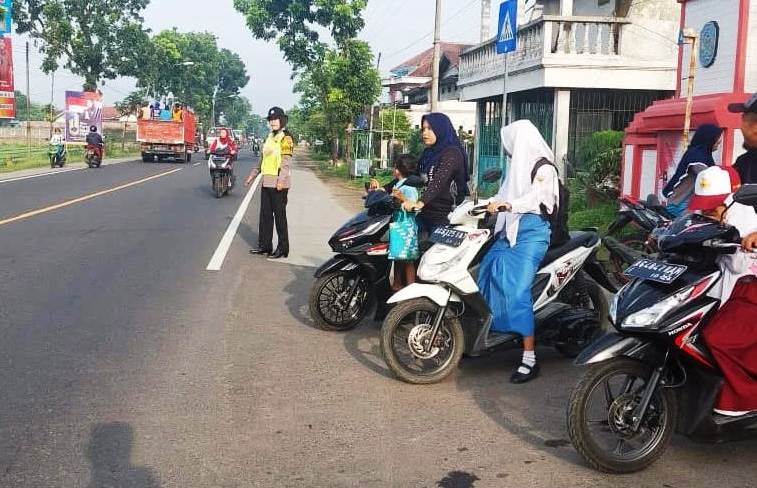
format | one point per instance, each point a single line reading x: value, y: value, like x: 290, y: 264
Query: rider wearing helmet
x: 96, y: 140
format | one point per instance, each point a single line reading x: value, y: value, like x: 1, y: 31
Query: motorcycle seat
x: 577, y: 239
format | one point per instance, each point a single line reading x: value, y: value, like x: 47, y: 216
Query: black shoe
x: 260, y: 252
x: 518, y: 377
x: 279, y: 254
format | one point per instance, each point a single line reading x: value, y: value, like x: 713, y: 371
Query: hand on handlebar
x: 750, y: 242
x: 496, y: 207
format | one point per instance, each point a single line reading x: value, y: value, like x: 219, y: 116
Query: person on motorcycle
x: 732, y: 333
x: 522, y: 238
x: 95, y: 140
x: 276, y: 168
x: 697, y: 157
x: 445, y: 164
x: 746, y: 164
x: 224, y: 143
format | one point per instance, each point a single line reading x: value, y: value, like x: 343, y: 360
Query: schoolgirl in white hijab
x: 507, y: 271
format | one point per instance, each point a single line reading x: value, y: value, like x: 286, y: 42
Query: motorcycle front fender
x: 437, y: 294
x: 614, y: 345
x: 595, y: 271
x: 337, y: 263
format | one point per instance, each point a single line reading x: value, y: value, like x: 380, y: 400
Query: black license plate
x: 661, y: 272
x: 448, y: 236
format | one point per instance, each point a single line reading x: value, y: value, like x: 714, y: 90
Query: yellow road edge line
x: 84, y: 198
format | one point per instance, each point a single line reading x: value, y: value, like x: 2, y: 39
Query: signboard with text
x: 7, y: 88
x: 83, y: 110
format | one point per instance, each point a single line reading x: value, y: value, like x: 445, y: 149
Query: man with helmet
x: 276, y: 168
x: 95, y: 140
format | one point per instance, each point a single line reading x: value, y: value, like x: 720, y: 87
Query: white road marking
x: 68, y: 203
x: 60, y: 171
x: 223, y: 247
x: 196, y: 164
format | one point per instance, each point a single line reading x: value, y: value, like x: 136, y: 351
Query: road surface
x: 124, y: 362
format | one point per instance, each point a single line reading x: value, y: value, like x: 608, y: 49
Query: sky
x: 398, y: 29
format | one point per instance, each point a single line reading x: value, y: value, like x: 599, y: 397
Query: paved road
x: 123, y: 362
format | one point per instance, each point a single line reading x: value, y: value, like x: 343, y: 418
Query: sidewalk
x: 46, y: 170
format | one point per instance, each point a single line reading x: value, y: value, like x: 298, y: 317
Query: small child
x: 403, y: 233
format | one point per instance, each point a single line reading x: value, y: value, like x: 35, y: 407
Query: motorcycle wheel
x: 405, y: 331
x: 326, y: 301
x: 619, y: 384
x: 218, y: 187
x: 52, y: 162
x: 587, y: 334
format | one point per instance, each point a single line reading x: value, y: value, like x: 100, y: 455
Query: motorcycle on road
x: 435, y: 322
x: 58, y: 155
x: 93, y: 155
x: 349, y: 284
x: 221, y: 166
x: 654, y: 375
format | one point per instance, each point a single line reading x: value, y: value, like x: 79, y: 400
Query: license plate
x: 448, y: 236
x: 661, y: 272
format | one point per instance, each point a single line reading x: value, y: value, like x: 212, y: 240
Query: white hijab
x: 525, y: 145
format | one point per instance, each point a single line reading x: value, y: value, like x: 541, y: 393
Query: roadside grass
x: 17, y: 157
x: 341, y: 170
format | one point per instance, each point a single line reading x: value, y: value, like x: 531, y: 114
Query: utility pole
x: 486, y: 16
x: 437, y: 57
x: 52, y: 99
x: 28, y: 107
x: 370, y: 128
x: 690, y: 37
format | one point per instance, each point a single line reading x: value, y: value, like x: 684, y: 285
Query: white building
x: 581, y: 66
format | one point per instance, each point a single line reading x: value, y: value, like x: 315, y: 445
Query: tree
x: 295, y: 24
x: 131, y: 105
x: 237, y: 111
x: 257, y: 125
x: 335, y: 91
x: 99, y: 40
x: 395, y: 121
x: 37, y: 111
x: 191, y: 66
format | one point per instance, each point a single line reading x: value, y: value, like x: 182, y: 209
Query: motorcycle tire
x: 450, y: 325
x: 52, y: 163
x: 578, y: 422
x: 218, y: 187
x: 317, y: 301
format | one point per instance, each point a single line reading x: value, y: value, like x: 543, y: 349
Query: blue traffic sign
x: 507, y: 34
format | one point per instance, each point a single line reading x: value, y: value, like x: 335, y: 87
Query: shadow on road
x: 109, y: 453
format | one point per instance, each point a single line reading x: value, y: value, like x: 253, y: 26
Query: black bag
x: 558, y: 219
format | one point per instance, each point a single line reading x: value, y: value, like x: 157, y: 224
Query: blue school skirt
x: 507, y: 275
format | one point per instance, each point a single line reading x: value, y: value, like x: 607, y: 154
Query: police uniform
x: 276, y: 170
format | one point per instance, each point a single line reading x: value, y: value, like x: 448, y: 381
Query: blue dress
x: 507, y: 275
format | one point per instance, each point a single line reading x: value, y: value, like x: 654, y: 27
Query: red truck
x: 168, y: 138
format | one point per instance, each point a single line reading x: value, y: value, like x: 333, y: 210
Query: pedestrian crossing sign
x: 507, y: 34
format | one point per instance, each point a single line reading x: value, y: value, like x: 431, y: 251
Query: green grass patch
x: 17, y: 157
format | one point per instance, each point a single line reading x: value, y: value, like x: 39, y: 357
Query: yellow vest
x: 271, y: 163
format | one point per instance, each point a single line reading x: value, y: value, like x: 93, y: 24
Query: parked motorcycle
x: 93, y: 155
x: 221, y: 166
x: 58, y: 155
x: 349, y: 284
x: 654, y: 376
x: 434, y: 323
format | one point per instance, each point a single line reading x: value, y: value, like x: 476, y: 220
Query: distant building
x: 581, y: 66
x: 726, y: 73
x: 409, y: 86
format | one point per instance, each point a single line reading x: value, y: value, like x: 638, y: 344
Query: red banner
x: 7, y: 95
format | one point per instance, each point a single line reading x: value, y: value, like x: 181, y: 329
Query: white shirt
x: 542, y: 193
x: 56, y: 139
x: 736, y: 266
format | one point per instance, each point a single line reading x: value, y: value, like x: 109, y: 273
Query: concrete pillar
x: 561, y: 128
x: 486, y: 18
x: 566, y: 7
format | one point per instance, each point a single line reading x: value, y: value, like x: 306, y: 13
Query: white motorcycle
x: 435, y: 322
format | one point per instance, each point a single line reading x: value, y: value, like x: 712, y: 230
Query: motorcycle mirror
x: 747, y: 195
x: 492, y: 175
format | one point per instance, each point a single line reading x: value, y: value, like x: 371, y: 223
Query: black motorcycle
x: 348, y: 285
x: 221, y: 165
x: 655, y: 376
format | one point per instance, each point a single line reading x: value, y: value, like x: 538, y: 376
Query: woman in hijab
x: 445, y: 164
x: 522, y: 238
x: 698, y: 157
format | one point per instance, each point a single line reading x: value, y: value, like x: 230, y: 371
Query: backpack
x: 558, y: 219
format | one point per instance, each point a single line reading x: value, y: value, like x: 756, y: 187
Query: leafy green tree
x: 296, y: 25
x: 37, y: 111
x: 191, y: 66
x: 257, y: 125
x: 237, y: 111
x: 99, y: 40
x: 335, y: 91
x: 395, y: 121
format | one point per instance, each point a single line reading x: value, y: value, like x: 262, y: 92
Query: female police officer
x: 276, y: 168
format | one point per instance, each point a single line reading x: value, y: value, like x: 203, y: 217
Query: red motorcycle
x: 93, y: 155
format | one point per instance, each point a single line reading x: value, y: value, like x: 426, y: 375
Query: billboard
x: 6, y: 14
x: 7, y: 94
x: 83, y: 110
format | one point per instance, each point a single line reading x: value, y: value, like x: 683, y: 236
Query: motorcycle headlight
x: 439, y: 260
x: 650, y: 317
x: 364, y: 232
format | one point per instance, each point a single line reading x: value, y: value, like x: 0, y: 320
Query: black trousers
x: 273, y: 208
